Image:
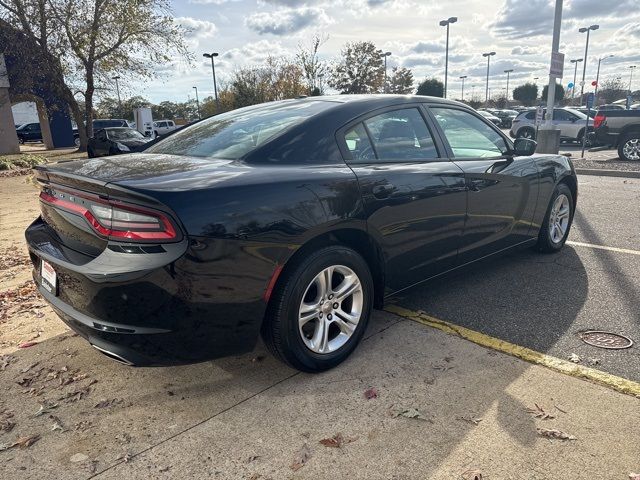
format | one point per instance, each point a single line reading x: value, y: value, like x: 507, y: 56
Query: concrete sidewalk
x: 249, y: 417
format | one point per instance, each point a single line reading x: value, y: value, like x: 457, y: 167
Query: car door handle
x: 383, y: 191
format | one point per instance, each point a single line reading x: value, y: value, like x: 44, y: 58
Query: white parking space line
x: 603, y: 247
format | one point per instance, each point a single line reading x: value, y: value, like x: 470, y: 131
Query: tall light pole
x: 631, y: 69
x: 213, y: 69
x: 116, y: 78
x: 586, y: 51
x: 486, y: 92
x: 197, y: 101
x: 385, y: 55
x: 446, y: 23
x: 462, y: 78
x: 598, y: 76
x: 508, y: 72
x: 549, y: 137
x: 576, y: 61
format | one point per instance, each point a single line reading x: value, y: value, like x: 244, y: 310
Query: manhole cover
x: 606, y: 340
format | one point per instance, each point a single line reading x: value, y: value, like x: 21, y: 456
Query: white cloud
x: 197, y: 28
x: 286, y: 22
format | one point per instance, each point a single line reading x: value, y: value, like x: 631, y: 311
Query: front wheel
x: 320, y: 309
x: 629, y: 147
x: 557, y: 222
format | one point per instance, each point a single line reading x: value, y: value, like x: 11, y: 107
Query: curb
x: 559, y: 365
x: 608, y: 173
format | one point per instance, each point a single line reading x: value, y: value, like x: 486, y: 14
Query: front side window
x: 234, y: 134
x: 401, y: 135
x: 469, y: 136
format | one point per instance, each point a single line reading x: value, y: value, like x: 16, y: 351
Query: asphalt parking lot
x: 443, y: 406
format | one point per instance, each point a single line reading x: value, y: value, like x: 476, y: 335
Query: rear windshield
x: 118, y: 134
x: 109, y: 123
x: 234, y: 134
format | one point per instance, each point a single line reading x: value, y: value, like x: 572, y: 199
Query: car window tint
x: 562, y: 115
x: 469, y: 136
x: 531, y: 115
x: 401, y: 135
x: 358, y: 143
x: 234, y: 134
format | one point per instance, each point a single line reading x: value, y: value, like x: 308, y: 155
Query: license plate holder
x: 49, y: 277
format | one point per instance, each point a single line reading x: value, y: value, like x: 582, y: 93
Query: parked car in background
x: 162, y: 127
x: 29, y: 132
x: 506, y: 116
x: 612, y: 106
x: 490, y: 116
x: 591, y: 112
x: 101, y: 123
x: 570, y: 121
x: 620, y: 129
x: 290, y: 220
x: 115, y: 140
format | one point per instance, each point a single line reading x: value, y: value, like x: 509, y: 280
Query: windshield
x: 234, y: 134
x: 119, y: 135
x: 109, y: 123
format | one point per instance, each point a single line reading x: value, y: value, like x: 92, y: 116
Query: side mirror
x: 524, y: 147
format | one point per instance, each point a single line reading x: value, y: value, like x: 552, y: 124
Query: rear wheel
x: 629, y: 146
x: 90, y: 152
x: 557, y: 222
x: 318, y: 314
x: 526, y: 132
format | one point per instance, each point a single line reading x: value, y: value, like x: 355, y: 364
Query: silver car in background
x: 571, y: 123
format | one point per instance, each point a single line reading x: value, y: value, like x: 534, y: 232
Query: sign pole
x: 590, y: 99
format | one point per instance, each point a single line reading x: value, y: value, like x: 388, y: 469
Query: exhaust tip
x: 113, y: 356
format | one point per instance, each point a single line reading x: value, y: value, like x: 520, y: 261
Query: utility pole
x: 197, y: 102
x: 508, y: 72
x: 595, y: 102
x: 462, y: 78
x: 116, y: 78
x: 631, y: 69
x: 215, y: 87
x: 576, y: 61
x: 486, y: 92
x: 586, y: 51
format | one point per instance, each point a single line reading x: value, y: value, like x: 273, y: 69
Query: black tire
x: 545, y: 243
x: 628, y: 137
x: 526, y: 132
x: 587, y: 143
x: 90, y: 153
x: 280, y: 329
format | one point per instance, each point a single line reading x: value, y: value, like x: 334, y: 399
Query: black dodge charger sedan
x: 289, y: 219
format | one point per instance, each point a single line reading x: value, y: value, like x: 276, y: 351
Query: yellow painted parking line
x: 604, y: 247
x: 614, y: 382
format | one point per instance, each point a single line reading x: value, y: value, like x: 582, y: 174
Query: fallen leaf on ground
x: 594, y: 361
x: 57, y: 424
x: 104, y: 403
x: 301, y: 458
x: 78, y: 457
x: 25, y: 442
x: 337, y: 441
x: 410, y: 413
x: 45, y: 409
x: 370, y: 393
x: 539, y: 412
x: 475, y: 421
x: 560, y: 435
x: 634, y: 476
x: 27, y: 344
x: 5, y: 361
x: 472, y: 475
x: 6, y: 425
x: 574, y: 358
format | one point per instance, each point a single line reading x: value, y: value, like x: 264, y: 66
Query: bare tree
x: 612, y: 89
x: 313, y: 69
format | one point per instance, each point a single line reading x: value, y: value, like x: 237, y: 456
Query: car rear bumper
x: 185, y: 308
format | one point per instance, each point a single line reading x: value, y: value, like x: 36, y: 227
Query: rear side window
x: 234, y: 134
x: 531, y: 115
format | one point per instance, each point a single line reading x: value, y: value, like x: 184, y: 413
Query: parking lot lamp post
x: 197, y: 101
x: 575, y: 74
x: 385, y: 55
x: 116, y: 78
x: 486, y: 92
x: 508, y: 72
x: 598, y: 75
x: 462, y: 78
x: 446, y: 23
x: 213, y: 70
x: 631, y: 69
x: 586, y: 51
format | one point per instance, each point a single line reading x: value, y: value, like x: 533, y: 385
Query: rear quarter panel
x: 552, y: 169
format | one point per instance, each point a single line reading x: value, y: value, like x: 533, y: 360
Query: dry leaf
x: 410, y: 413
x: 475, y: 421
x: 370, y: 393
x: 46, y: 408
x: 539, y: 412
x: 104, y: 403
x: 560, y: 435
x: 574, y: 358
x: 337, y: 441
x: 25, y: 442
x: 634, y: 476
x: 301, y: 458
x: 57, y: 424
x: 27, y: 344
x: 472, y: 475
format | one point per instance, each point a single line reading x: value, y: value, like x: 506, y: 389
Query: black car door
x: 101, y: 143
x: 414, y: 197
x: 502, y: 188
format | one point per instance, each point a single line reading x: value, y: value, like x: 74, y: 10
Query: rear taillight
x: 113, y: 218
x: 598, y: 120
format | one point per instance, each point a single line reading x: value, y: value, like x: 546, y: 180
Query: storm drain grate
x: 608, y: 340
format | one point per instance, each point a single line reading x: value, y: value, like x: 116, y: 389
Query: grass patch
x: 26, y: 160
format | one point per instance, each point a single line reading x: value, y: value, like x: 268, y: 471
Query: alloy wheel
x: 330, y: 309
x: 559, y: 218
x: 631, y: 149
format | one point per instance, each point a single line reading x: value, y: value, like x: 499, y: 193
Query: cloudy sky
x: 245, y: 32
